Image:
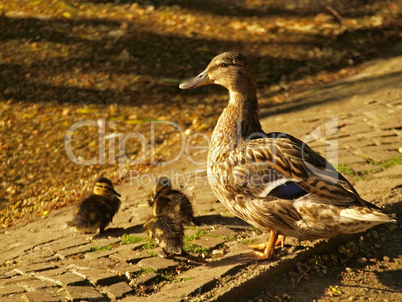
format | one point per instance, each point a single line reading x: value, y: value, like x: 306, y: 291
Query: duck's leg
x: 280, y: 241
x: 269, y: 248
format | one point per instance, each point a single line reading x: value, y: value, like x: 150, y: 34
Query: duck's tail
x: 363, y: 214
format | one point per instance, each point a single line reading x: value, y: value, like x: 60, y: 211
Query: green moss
x: 319, y: 262
x: 193, y: 248
x: 128, y: 239
x: 166, y: 276
x: 146, y: 270
x: 390, y: 162
x: 254, y: 229
x: 190, y: 247
x: 248, y: 241
x: 230, y: 238
x: 197, y: 235
x: 342, y: 168
x: 152, y: 253
x: 96, y: 248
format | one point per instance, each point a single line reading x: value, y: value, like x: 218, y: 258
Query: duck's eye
x: 223, y: 64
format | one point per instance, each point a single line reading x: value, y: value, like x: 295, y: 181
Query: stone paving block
x: 98, y: 276
x: 106, y: 241
x: 351, y: 159
x: 11, y: 290
x: 395, y: 171
x: 18, y: 278
x: 66, y: 243
x: 81, y: 263
x: 202, y: 209
x: 38, y: 284
x: 378, y: 133
x: 143, y: 279
x: 52, y: 272
x: 9, y: 272
x: 13, y: 298
x: 385, y: 125
x: 158, y: 263
x: 118, y: 290
x: 67, y: 278
x: 356, y: 128
x: 196, y: 279
x: 4, y: 281
x: 84, y: 293
x: 237, y: 249
x: 208, y: 242
x: 40, y: 296
x: 74, y: 251
x: 223, y: 232
x: 124, y: 268
x: 190, y: 232
x: 356, y: 143
x: 380, y: 148
x: 99, y: 254
x: 129, y: 256
x: 395, y: 140
x: 45, y: 259
x: 381, y: 156
x: 37, y: 268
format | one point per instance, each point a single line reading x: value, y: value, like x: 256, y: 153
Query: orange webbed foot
x: 268, y: 247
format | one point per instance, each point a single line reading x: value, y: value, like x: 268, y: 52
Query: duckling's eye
x: 223, y: 64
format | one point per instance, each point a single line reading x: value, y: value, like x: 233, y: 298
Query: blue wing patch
x: 288, y: 190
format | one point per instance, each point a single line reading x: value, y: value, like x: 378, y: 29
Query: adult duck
x: 274, y: 181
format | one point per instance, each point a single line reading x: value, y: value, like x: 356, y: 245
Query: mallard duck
x: 167, y: 231
x: 171, y: 201
x: 274, y: 181
x: 97, y: 210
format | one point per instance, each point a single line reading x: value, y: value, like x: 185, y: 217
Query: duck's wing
x: 291, y: 169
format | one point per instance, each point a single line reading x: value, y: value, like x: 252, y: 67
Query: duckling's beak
x: 200, y: 80
x: 155, y: 196
x: 115, y: 193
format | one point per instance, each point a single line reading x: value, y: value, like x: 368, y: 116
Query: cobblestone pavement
x: 355, y: 123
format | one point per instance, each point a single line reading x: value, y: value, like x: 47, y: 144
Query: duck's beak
x: 200, y: 80
x: 115, y: 193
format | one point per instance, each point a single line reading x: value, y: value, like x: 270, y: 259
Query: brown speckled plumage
x: 273, y: 180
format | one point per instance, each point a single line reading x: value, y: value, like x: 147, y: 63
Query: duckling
x: 171, y: 201
x: 274, y: 181
x: 97, y: 210
x: 167, y: 231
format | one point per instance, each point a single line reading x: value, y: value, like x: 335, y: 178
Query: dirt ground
x: 353, y: 273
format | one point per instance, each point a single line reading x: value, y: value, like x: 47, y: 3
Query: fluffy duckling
x: 274, y: 181
x: 172, y: 201
x: 97, y: 210
x: 167, y: 231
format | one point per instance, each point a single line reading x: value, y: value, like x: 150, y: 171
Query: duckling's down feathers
x: 167, y: 231
x: 95, y: 212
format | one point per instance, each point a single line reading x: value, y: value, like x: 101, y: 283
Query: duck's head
x: 103, y: 186
x: 162, y: 187
x: 230, y: 70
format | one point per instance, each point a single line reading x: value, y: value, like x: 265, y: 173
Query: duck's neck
x: 240, y: 120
